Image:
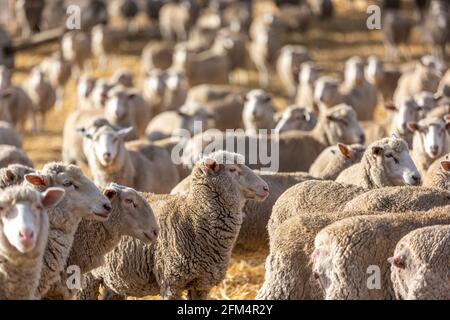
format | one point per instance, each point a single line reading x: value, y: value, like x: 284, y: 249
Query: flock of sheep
x: 359, y: 208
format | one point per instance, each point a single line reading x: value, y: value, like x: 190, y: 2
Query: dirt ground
x: 330, y: 46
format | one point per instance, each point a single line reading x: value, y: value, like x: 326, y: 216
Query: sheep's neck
x: 121, y: 171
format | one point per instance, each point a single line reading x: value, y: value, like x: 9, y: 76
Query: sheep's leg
x: 195, y: 294
x: 170, y: 293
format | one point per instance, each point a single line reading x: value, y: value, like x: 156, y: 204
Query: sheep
x: 431, y: 140
x: 364, y: 242
x: 58, y: 71
x: 5, y: 77
x: 425, y: 76
x: 235, y: 47
x: 171, y: 123
x: 106, y: 42
x: 82, y: 200
x: 29, y: 15
x: 126, y: 9
x: 14, y: 174
x: 253, y: 234
x: 11, y: 154
x: 76, y: 48
x: 54, y: 14
x: 426, y: 102
x: 444, y: 85
x: 384, y: 78
x: 16, y: 107
x: 111, y: 160
x: 324, y: 9
x: 177, y: 87
x: 175, y: 20
x: 197, y: 66
x: 99, y: 94
x: 326, y: 93
x: 309, y: 73
x: 85, y: 87
x: 156, y: 55
x: 438, y: 174
x: 396, y: 30
x: 154, y: 87
x: 357, y: 91
x: 419, y: 265
x: 215, y: 184
x: 334, y: 159
x: 9, y: 136
x: 295, y: 117
x: 42, y: 94
x: 7, y: 57
x: 288, y: 66
x: 436, y: 25
x: 122, y: 77
x: 258, y: 111
x: 94, y: 12
x: 24, y: 229
x: 385, y: 162
x: 337, y: 124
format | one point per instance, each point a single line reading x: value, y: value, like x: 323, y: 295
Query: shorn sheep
x: 419, y: 266
x: 386, y: 162
x: 350, y: 259
x: 210, y: 217
x: 24, y: 228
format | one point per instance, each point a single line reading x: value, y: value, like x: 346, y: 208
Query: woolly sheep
x: 24, y: 225
x: 334, y: 159
x: 309, y: 73
x: 347, y: 250
x: 11, y: 155
x: 438, y: 174
x: 156, y: 55
x: 295, y: 117
x: 326, y: 93
x: 215, y: 183
x: 14, y: 174
x: 384, y: 78
x: 419, y: 265
x: 258, y: 111
x: 385, y: 163
x: 16, y: 107
x: 76, y: 48
x: 9, y: 136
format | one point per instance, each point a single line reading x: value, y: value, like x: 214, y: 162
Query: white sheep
x: 326, y: 93
x: 384, y: 78
x: 76, y: 48
x: 11, y: 154
x: 258, y: 111
x: 438, y: 174
x: 9, y: 135
x: 309, y: 73
x: 16, y: 107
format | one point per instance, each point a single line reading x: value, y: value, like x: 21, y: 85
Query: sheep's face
x: 107, y: 144
x: 392, y: 156
x: 176, y: 80
x: 309, y: 73
x: 296, y: 119
x: 100, y: 93
x: 408, y: 111
x: 119, y: 104
x: 155, y: 81
x: 374, y: 70
x: 6, y: 100
x: 326, y: 92
x: 430, y: 137
x: 23, y: 217
x: 136, y: 216
x: 426, y: 102
x: 85, y: 87
x: 354, y: 71
x: 342, y: 126
x: 258, y: 108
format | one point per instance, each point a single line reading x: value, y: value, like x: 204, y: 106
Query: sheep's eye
x: 391, y: 156
x: 129, y: 201
x: 67, y: 183
x: 232, y: 169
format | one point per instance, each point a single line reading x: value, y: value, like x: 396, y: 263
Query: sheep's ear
x: 377, y: 151
x: 330, y: 118
x: 212, y: 165
x: 110, y: 193
x: 36, y: 179
x: 10, y: 175
x: 445, y: 165
x: 182, y: 114
x: 52, y: 196
x: 123, y: 133
x: 390, y: 107
x: 398, y: 261
x: 412, y: 126
x: 345, y: 150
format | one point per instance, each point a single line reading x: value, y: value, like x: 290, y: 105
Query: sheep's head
x: 155, y: 81
x: 119, y: 104
x: 100, y: 92
x: 226, y: 174
x: 342, y: 126
x: 14, y: 174
x: 393, y: 162
x: 326, y: 92
x: 426, y: 101
x: 23, y: 216
x: 431, y: 136
x: 309, y: 73
x: 85, y: 86
x: 83, y: 198
x: 296, y: 118
x: 134, y: 214
x: 374, y: 70
x: 408, y: 111
x: 354, y: 70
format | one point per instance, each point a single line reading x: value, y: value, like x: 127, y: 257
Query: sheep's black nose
x: 416, y: 179
x: 266, y: 188
x: 107, y: 207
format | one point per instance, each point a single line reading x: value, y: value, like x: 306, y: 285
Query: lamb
x: 24, y: 225
x: 384, y: 78
x: 288, y: 66
x: 337, y: 124
x: 258, y: 111
x: 215, y: 184
x: 385, y: 162
x: 334, y: 159
x: 431, y: 140
x: 364, y: 242
x: 357, y: 91
x: 425, y: 76
x: 326, y: 93
x: 11, y: 154
x: 438, y: 174
x: 111, y: 160
x: 76, y: 48
x: 295, y: 117
x: 41, y: 93
x: 9, y: 136
x: 197, y: 66
x: 16, y: 107
x: 82, y: 200
x: 58, y: 71
x: 309, y: 73
x: 14, y: 174
x: 418, y: 266
x: 156, y: 55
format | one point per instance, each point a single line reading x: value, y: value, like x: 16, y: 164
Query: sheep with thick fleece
x: 156, y: 55
x: 337, y: 124
x: 385, y: 162
x: 419, y: 266
x: 14, y: 174
x: 295, y: 117
x: 258, y: 111
x: 9, y: 136
x: 347, y: 251
x: 309, y: 73
x: 438, y: 174
x: 11, y: 155
x: 384, y: 78
x: 111, y: 160
x: 24, y: 225
x: 326, y: 93
x: 210, y: 217
x: 431, y: 140
x: 82, y: 200
x: 16, y: 107
x: 334, y: 159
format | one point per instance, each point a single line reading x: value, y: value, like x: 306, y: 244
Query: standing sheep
x: 258, y: 111
x: 24, y: 225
